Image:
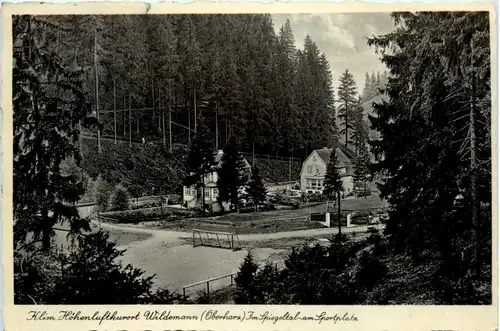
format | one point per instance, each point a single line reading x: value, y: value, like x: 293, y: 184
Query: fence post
x: 231, y: 279
x: 184, y: 292
x: 208, y: 290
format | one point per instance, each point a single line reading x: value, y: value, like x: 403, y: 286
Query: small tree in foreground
x: 333, y: 182
x: 246, y: 291
x: 256, y: 189
x: 102, y: 195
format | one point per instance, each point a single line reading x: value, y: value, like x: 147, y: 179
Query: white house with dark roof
x: 211, y: 191
x: 313, y: 171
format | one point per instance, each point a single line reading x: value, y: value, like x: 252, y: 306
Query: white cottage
x: 211, y: 191
x: 314, y: 169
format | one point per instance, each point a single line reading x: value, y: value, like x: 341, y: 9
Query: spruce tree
x: 333, y: 183
x: 347, y: 103
x: 231, y: 176
x: 200, y: 160
x: 439, y: 142
x: 361, y: 169
x: 256, y: 189
x: 49, y: 106
x: 246, y: 289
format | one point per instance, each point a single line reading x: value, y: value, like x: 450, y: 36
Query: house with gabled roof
x: 313, y: 171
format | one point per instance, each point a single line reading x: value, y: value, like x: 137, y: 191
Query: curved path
x: 175, y: 235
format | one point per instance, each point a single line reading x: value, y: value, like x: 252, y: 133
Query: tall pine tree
x: 200, y: 161
x: 49, y: 106
x: 255, y: 188
x: 347, y: 103
x: 231, y: 175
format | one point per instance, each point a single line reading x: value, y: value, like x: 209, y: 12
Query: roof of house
x: 325, y: 154
x: 218, y: 158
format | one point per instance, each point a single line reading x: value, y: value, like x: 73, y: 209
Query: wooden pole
x: 97, y: 91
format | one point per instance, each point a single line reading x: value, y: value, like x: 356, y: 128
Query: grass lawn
x: 264, y: 222
x: 371, y: 202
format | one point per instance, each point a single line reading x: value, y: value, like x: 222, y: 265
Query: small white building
x: 313, y: 171
x: 211, y: 191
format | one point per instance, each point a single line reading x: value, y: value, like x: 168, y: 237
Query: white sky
x: 342, y: 37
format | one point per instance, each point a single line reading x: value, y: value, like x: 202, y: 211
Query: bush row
x: 149, y: 214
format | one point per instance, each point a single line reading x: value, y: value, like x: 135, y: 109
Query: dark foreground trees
x: 435, y: 148
x: 434, y: 156
x: 89, y: 273
x: 49, y: 108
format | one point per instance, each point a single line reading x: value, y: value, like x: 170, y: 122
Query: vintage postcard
x: 225, y: 166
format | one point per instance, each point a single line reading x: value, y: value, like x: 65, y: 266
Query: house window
x: 314, y: 183
x: 207, y: 193
x: 308, y: 184
x: 215, y: 193
x: 317, y: 170
x: 309, y: 169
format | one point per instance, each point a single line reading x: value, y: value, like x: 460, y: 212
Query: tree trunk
x: 338, y: 214
x: 473, y: 170
x: 216, y: 126
x: 194, y: 104
x: 170, y: 127
x: 189, y: 125
x: 346, y: 128
x: 97, y: 92
x: 114, y: 108
x: 124, y: 114
x: 47, y: 228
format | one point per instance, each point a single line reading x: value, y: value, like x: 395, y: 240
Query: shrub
x: 315, y: 197
x: 120, y: 198
x: 149, y: 214
x: 246, y: 291
x: 371, y: 271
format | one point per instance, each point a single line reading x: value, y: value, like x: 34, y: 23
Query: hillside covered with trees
x: 234, y: 70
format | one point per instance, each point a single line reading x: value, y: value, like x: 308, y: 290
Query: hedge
x: 148, y: 214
